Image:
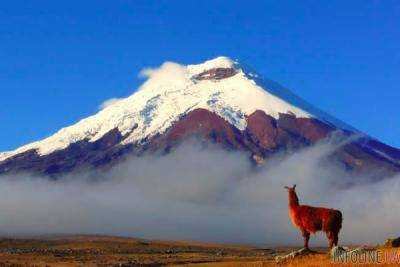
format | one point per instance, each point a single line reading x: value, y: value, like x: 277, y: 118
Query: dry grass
x: 315, y: 260
x: 71, y: 251
x: 116, y: 251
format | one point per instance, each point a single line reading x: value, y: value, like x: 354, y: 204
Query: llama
x: 313, y: 219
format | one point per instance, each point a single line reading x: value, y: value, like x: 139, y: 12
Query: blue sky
x: 61, y: 59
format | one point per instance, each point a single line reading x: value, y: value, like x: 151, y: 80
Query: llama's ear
x: 287, y: 188
x: 294, y: 186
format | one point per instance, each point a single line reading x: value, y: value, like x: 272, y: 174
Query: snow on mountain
x: 219, y: 85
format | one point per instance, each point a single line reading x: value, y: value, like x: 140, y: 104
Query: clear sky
x: 59, y: 60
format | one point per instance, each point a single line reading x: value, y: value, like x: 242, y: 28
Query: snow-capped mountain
x: 219, y: 100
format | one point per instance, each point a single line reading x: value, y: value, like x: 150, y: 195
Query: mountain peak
x: 171, y: 91
x: 218, y: 62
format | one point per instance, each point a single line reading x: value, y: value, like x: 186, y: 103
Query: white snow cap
x: 219, y: 62
x: 168, y: 93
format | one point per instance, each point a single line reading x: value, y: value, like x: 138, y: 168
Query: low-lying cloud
x: 202, y: 193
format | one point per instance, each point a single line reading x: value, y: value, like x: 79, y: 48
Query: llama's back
x: 315, y: 219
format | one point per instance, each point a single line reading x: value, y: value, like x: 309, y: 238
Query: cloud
x: 202, y: 193
x: 163, y: 69
x: 109, y: 102
x: 168, y: 74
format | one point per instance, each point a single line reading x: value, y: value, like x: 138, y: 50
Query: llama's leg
x: 306, y: 236
x: 331, y: 237
x: 335, y: 238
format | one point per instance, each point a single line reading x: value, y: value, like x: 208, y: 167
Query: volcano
x: 219, y: 101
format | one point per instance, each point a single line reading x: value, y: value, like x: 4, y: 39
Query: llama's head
x: 293, y: 199
x: 291, y: 189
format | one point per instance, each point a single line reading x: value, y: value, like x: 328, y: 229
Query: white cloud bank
x: 202, y: 194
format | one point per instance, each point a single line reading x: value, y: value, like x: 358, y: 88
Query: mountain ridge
x: 219, y: 93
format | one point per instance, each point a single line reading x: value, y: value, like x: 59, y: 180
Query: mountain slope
x: 219, y: 100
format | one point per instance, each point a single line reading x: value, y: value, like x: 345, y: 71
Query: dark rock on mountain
x: 263, y: 137
x: 215, y: 74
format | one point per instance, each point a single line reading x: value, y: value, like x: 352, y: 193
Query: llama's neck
x: 293, y: 200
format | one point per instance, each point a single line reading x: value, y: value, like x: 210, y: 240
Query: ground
x: 84, y: 250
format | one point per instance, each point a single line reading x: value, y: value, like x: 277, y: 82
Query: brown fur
x: 313, y: 219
